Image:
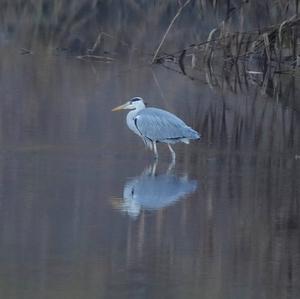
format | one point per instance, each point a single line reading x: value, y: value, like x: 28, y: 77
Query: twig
x: 167, y: 31
x: 97, y: 42
x: 158, y: 86
x: 95, y: 58
x: 24, y: 51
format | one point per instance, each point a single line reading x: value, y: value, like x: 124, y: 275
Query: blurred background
x: 83, y: 214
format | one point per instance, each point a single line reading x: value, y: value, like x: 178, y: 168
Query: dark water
x: 84, y: 214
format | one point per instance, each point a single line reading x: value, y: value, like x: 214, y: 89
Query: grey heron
x: 155, y: 125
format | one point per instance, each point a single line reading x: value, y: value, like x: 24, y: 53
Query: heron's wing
x: 157, y: 124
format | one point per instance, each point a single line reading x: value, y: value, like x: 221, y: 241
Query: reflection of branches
x: 236, y: 78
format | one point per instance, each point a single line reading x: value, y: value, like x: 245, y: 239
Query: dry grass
x: 236, y: 38
x: 76, y: 24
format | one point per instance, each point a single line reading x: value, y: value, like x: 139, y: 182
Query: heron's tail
x: 192, y: 134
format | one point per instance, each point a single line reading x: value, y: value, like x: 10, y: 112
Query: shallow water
x: 85, y: 214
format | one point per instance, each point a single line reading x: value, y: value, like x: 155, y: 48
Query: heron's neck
x: 131, y: 115
x: 140, y: 106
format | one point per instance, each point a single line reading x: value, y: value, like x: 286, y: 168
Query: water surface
x: 83, y: 214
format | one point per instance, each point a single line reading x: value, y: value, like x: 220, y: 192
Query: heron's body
x: 155, y: 125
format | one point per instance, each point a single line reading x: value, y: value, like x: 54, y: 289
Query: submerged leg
x: 171, y: 166
x: 153, y: 170
x: 155, y: 150
x: 172, y: 152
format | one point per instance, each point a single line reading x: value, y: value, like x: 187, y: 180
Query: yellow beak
x: 120, y: 107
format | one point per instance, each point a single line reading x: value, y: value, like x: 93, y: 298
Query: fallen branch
x: 95, y: 58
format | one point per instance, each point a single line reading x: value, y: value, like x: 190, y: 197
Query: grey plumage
x: 165, y: 126
x: 155, y: 125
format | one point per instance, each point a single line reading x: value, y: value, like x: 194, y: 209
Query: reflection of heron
x: 156, y: 125
x: 153, y: 192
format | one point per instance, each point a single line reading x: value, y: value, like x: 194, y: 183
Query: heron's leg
x: 153, y: 170
x: 155, y: 150
x: 172, y: 152
x: 171, y: 166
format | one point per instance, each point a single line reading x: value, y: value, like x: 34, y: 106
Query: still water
x: 86, y: 213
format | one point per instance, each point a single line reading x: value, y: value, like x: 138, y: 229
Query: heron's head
x: 134, y: 103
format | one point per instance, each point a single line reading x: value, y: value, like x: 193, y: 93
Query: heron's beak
x: 124, y: 106
x: 117, y: 203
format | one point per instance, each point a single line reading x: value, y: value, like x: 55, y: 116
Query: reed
x: 76, y: 24
x: 218, y: 37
